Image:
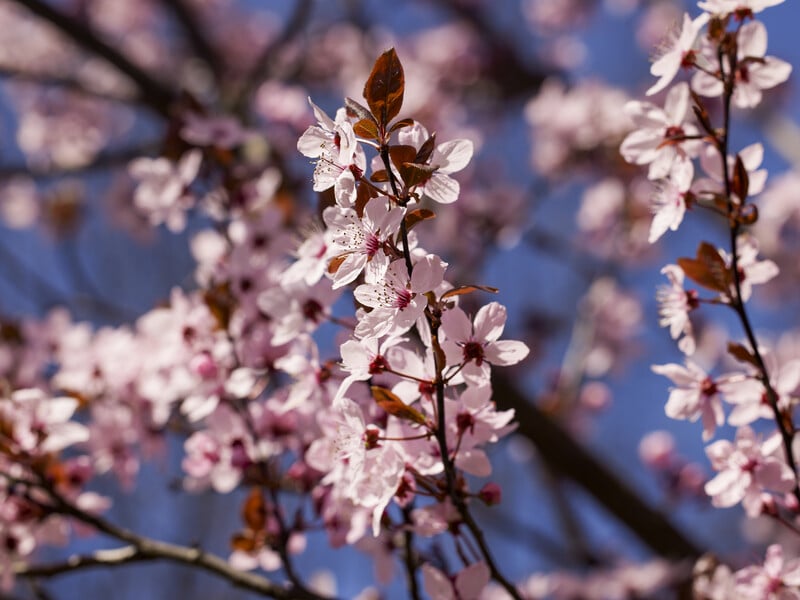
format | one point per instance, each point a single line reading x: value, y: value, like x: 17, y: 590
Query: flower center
x: 403, y: 298
x: 473, y: 351
x: 372, y: 244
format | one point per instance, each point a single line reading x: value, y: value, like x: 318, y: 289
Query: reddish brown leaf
x: 466, y: 289
x: 414, y: 174
x: 400, y: 124
x: 364, y: 194
x: 742, y: 354
x: 418, y: 215
x: 379, y: 176
x: 384, y: 88
x: 740, y: 182
x: 366, y: 128
x: 426, y: 150
x: 244, y: 542
x: 396, y: 407
x: 708, y: 269
x: 254, y: 510
x: 402, y: 154
x: 356, y: 109
x: 335, y: 263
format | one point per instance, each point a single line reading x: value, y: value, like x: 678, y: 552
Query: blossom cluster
x: 725, y: 50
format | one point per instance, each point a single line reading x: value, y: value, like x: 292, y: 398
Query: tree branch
x: 153, y: 92
x: 569, y: 458
x: 196, y: 34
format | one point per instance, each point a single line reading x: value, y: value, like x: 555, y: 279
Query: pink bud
x: 490, y: 494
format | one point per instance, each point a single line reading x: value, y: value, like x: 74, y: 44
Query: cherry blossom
x: 359, y: 241
x: 674, y: 305
x: 723, y: 8
x: 678, y: 52
x: 669, y: 204
x: 777, y: 579
x: 754, y: 71
x: 447, y: 158
x: 697, y: 395
x: 398, y: 300
x: 162, y: 191
x: 476, y: 344
x: 659, y: 137
x: 747, y: 467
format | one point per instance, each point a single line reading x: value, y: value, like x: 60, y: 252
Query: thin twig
x: 197, y: 36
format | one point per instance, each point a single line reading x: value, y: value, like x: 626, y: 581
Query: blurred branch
x: 104, y: 160
x: 144, y: 548
x: 67, y: 83
x: 153, y: 92
x: 197, y: 36
x: 506, y: 67
x: 263, y: 64
x: 567, y: 457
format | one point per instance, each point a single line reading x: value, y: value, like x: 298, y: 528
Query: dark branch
x: 567, y: 457
x: 153, y: 92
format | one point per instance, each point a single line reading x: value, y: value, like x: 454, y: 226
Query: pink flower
x: 476, y: 346
x: 224, y: 132
x: 669, y: 204
x: 679, y: 51
x: 723, y: 8
x: 360, y: 240
x: 362, y: 359
x: 658, y: 139
x: 746, y: 468
x: 777, y: 579
x: 398, y: 300
x: 41, y: 424
x: 751, y: 157
x: 674, y: 306
x: 697, y: 395
x: 448, y: 157
x: 340, y: 160
x: 754, y: 70
x: 162, y: 190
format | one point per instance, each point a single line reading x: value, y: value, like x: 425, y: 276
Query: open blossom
x: 398, y: 301
x: 674, y: 306
x: 679, y: 52
x: 340, y: 160
x: 669, y: 204
x: 752, y: 271
x: 751, y: 157
x: 754, y: 70
x: 41, y: 424
x: 359, y: 240
x: 476, y: 345
x: 162, y: 190
x: 659, y: 137
x: 723, y: 8
x: 362, y: 359
x: 776, y: 579
x: 697, y: 394
x: 746, y: 468
x: 448, y: 157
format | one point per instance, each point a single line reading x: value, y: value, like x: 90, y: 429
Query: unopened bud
x: 490, y: 494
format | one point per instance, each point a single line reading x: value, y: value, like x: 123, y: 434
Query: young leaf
x: 400, y: 124
x: 254, y: 511
x: 418, y: 215
x: 335, y: 263
x: 426, y: 150
x: 366, y: 128
x: 414, y: 174
x: 402, y: 154
x: 396, y: 407
x: 742, y: 354
x: 466, y: 289
x: 708, y: 269
x: 384, y: 88
x: 740, y: 182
